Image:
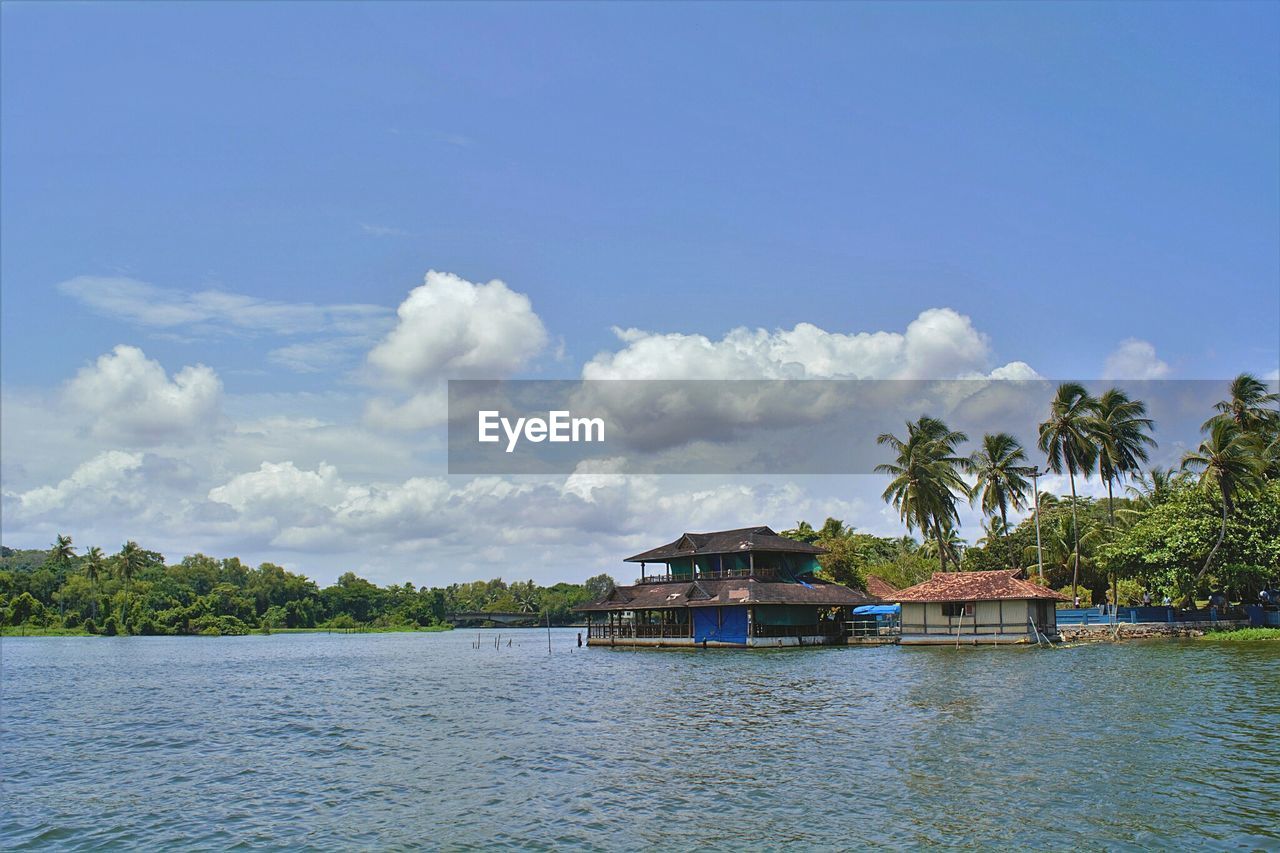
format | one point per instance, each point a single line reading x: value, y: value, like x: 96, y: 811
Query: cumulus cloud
x: 938, y: 344
x: 100, y: 477
x: 129, y: 397
x: 1134, y: 359
x: 449, y: 327
x: 422, y: 410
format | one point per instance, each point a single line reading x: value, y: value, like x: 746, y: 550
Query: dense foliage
x: 135, y: 592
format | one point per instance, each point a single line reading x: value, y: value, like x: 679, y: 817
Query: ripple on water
x: 400, y: 741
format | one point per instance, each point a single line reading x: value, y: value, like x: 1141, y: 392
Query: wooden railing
x: 761, y: 572
x: 628, y: 631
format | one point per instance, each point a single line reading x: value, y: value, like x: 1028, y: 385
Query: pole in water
x: 548, y: 631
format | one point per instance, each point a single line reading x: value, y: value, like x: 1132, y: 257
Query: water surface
x: 389, y: 741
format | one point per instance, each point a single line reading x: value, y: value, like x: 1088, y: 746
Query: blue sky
x: 1068, y: 177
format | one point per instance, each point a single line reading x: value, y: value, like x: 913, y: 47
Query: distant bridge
x: 473, y: 617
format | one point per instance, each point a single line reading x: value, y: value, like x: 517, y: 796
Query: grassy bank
x: 33, y: 631
x: 1243, y: 634
x: 390, y: 629
x: 30, y: 631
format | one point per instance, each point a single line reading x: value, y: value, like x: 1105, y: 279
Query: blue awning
x: 876, y: 610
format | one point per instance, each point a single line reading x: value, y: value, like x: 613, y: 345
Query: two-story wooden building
x: 742, y: 588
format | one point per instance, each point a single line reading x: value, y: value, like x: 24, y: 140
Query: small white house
x: 976, y: 608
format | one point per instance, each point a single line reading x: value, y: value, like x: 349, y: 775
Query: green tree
x: 1224, y: 463
x: 93, y: 566
x: 1066, y: 439
x: 598, y: 586
x: 926, y: 479
x: 999, y: 467
x: 129, y: 562
x: 1250, y: 405
x: 1121, y: 433
x: 62, y: 551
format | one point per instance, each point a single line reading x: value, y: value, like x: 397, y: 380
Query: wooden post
x: 548, y: 630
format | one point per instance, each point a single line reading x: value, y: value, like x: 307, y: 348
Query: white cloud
x: 939, y: 344
x: 383, y: 230
x: 452, y: 328
x: 214, y: 311
x: 422, y: 410
x: 1134, y: 359
x: 130, y: 398
x: 100, y: 476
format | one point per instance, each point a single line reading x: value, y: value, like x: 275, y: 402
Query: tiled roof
x: 881, y: 588
x: 726, y: 542
x: 1004, y: 584
x: 730, y: 591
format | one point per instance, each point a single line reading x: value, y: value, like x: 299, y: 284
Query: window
x: 952, y: 609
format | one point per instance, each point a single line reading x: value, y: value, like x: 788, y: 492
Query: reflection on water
x: 397, y: 740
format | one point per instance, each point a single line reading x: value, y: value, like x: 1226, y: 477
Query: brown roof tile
x: 1004, y: 584
x: 725, y: 542
x: 881, y: 588
x: 728, y: 591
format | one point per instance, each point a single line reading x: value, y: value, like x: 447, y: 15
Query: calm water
x: 403, y: 740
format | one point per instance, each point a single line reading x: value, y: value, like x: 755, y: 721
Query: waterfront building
x: 740, y: 588
x: 978, y: 607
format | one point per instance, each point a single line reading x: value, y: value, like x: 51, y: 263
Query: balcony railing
x: 627, y: 631
x: 760, y: 572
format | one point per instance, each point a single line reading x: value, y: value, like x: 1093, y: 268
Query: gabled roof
x: 881, y: 588
x: 725, y: 542
x: 727, y: 591
x: 1004, y: 584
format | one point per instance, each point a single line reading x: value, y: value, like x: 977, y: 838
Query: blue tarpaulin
x: 720, y: 624
x: 876, y: 610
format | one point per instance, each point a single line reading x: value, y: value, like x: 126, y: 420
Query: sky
x: 245, y: 244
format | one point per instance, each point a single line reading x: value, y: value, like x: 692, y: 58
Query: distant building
x: 732, y: 588
x: 978, y: 607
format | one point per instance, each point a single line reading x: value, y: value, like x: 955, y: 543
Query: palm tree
x: 92, y: 568
x: 926, y: 479
x: 1067, y: 440
x: 1249, y: 406
x: 1152, y: 488
x: 62, y: 550
x: 128, y: 564
x: 999, y: 466
x: 1062, y: 546
x: 1120, y: 432
x: 951, y: 544
x: 1226, y: 463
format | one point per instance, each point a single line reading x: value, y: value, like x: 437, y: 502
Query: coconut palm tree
x: 62, y: 550
x: 951, y: 544
x: 1062, y: 546
x: 1225, y: 463
x: 128, y: 563
x: 1067, y: 440
x: 1120, y: 431
x: 1251, y: 406
x: 1152, y: 488
x: 926, y: 479
x: 93, y: 567
x: 999, y: 466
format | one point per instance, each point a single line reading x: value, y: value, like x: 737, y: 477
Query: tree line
x: 1212, y: 521
x: 135, y: 592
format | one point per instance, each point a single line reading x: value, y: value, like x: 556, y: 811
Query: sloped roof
x: 1003, y: 584
x: 725, y: 542
x: 728, y: 591
x: 881, y: 588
